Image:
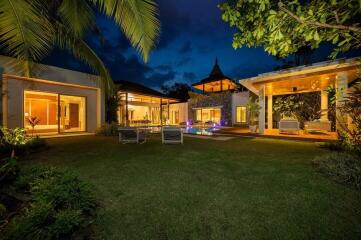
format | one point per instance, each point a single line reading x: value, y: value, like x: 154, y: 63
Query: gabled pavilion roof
x: 214, y: 81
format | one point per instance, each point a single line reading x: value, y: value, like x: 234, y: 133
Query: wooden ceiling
x: 303, y: 83
x: 216, y: 86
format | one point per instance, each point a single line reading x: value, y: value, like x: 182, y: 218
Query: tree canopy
x: 30, y: 29
x: 283, y: 27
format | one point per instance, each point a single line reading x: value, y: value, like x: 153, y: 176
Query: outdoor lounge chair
x: 289, y: 126
x: 132, y: 135
x: 318, y: 126
x: 172, y: 135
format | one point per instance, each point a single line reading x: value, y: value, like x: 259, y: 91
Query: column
x: 161, y: 112
x: 269, y: 112
x: 126, y: 110
x: 168, y: 113
x: 341, y: 93
x: 324, y: 105
x: 262, y: 111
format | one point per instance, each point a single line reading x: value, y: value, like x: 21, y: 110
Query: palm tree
x: 30, y: 29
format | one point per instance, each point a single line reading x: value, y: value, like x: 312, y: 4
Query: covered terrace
x: 314, y: 78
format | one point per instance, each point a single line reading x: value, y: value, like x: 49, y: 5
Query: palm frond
x: 138, y: 20
x: 77, y: 15
x: 25, y: 33
x: 66, y: 40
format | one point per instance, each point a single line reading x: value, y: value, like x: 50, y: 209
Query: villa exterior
x: 64, y: 101
x: 222, y: 101
x: 67, y: 101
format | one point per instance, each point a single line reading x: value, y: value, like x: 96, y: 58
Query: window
x: 54, y: 112
x: 199, y: 114
x: 241, y: 115
x: 43, y: 107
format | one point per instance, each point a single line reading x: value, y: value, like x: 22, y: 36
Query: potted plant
x: 253, y: 111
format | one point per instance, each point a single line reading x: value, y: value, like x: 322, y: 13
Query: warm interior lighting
x: 69, y: 116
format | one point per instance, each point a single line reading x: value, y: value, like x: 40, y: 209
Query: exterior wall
x: 53, y: 80
x: 238, y: 100
x: 223, y: 100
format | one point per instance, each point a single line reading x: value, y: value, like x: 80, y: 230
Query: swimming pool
x: 200, y: 131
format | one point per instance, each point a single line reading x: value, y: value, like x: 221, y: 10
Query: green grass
x: 205, y: 189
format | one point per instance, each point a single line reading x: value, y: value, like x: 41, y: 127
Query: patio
x: 274, y: 133
x: 317, y: 78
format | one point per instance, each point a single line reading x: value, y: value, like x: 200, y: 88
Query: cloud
x: 189, y: 77
x: 183, y: 61
x: 186, y: 48
x: 158, y: 79
x: 163, y: 67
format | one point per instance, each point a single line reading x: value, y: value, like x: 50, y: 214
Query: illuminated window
x: 54, y: 113
x: 72, y: 113
x: 241, y: 115
x: 42, y: 107
x: 199, y: 115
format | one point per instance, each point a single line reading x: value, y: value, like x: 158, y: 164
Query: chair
x: 132, y: 135
x: 289, y: 125
x: 172, y: 135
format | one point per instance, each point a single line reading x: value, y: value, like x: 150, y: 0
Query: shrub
x: 108, y: 129
x: 32, y: 145
x: 343, y: 167
x: 12, y: 138
x: 61, y: 206
x: 8, y: 170
x: 2, y: 212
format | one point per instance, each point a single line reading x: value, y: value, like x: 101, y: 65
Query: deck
x: 274, y: 133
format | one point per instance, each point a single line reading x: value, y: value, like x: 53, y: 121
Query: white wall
x: 238, y: 100
x: 13, y: 104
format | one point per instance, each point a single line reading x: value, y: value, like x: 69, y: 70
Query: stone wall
x: 223, y: 100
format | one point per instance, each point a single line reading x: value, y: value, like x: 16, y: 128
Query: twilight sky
x: 192, y: 36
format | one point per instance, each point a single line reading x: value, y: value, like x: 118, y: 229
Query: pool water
x: 200, y: 131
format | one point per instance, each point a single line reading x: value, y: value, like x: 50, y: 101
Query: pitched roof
x: 215, y: 75
x: 133, y: 87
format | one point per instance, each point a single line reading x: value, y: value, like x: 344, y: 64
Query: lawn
x: 238, y: 189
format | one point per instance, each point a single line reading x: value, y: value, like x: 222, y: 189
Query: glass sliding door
x: 53, y: 113
x: 42, y: 108
x: 72, y: 114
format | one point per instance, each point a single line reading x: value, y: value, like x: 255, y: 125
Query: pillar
x: 324, y: 105
x: 126, y: 110
x: 168, y: 112
x: 262, y: 111
x: 341, y: 93
x: 161, y: 112
x: 269, y: 112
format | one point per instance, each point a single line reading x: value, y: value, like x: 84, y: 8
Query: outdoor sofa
x: 289, y: 126
x: 318, y: 126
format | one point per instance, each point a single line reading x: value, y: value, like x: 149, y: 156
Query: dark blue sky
x: 193, y: 35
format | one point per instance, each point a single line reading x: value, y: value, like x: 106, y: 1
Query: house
x: 222, y: 100
x: 143, y: 106
x: 67, y: 101
x: 64, y: 101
